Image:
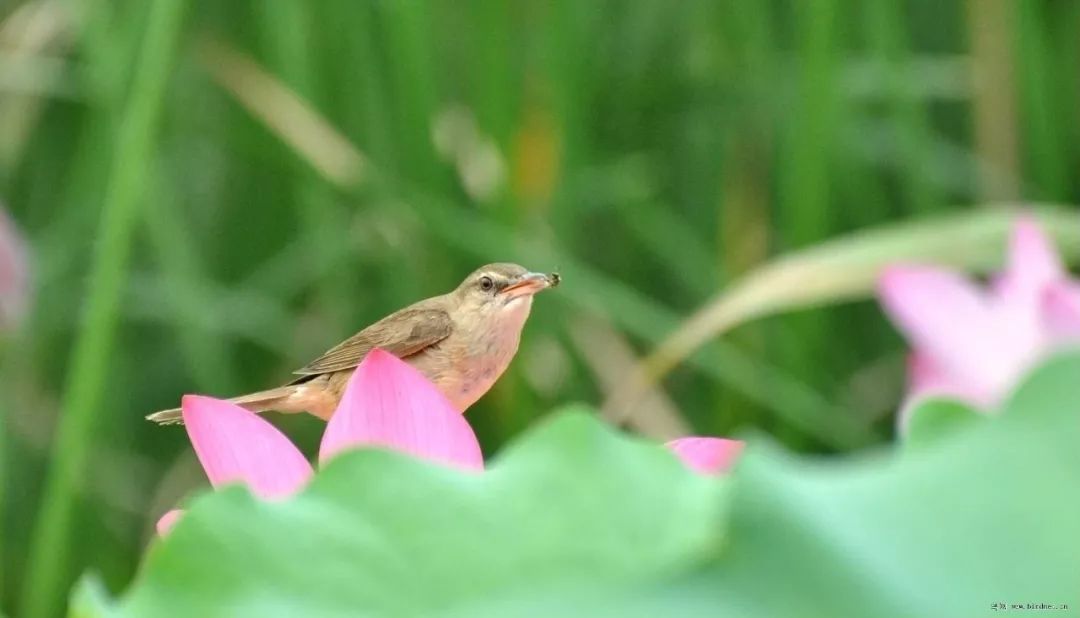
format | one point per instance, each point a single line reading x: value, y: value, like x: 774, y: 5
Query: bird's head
x: 502, y: 288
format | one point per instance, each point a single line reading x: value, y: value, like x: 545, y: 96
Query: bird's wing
x: 392, y: 333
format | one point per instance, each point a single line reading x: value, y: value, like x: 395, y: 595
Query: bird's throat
x: 488, y: 351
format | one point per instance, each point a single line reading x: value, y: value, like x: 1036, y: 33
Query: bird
x: 462, y: 341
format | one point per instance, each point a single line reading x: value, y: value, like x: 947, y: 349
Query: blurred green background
x: 216, y: 192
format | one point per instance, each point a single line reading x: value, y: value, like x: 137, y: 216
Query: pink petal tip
x: 167, y: 521
x: 707, y: 455
x: 1033, y: 260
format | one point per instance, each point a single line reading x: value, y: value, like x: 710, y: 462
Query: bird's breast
x: 466, y: 364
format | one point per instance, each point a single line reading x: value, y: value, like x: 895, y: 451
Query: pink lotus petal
x: 388, y: 403
x: 235, y: 445
x: 1061, y: 310
x: 946, y: 317
x: 927, y: 377
x: 973, y: 345
x: 707, y: 455
x: 923, y: 372
x: 1017, y: 304
x: 1033, y: 260
x: 14, y: 273
x: 167, y: 521
x: 1018, y: 292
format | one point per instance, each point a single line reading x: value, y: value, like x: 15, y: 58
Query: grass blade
x: 49, y: 572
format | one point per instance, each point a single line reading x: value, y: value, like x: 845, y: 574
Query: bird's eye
x: 486, y: 284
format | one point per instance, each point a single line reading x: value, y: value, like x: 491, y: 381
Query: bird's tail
x: 256, y: 402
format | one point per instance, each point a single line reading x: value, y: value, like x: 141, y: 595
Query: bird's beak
x: 530, y: 283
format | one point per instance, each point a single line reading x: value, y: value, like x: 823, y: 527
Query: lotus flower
x: 972, y: 342
x: 386, y: 403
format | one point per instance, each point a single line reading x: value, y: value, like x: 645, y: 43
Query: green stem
x: 805, y: 196
x: 49, y: 569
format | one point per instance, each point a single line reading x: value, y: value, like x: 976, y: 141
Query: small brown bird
x: 462, y: 341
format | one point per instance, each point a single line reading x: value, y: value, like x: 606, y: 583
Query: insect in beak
x: 530, y: 283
